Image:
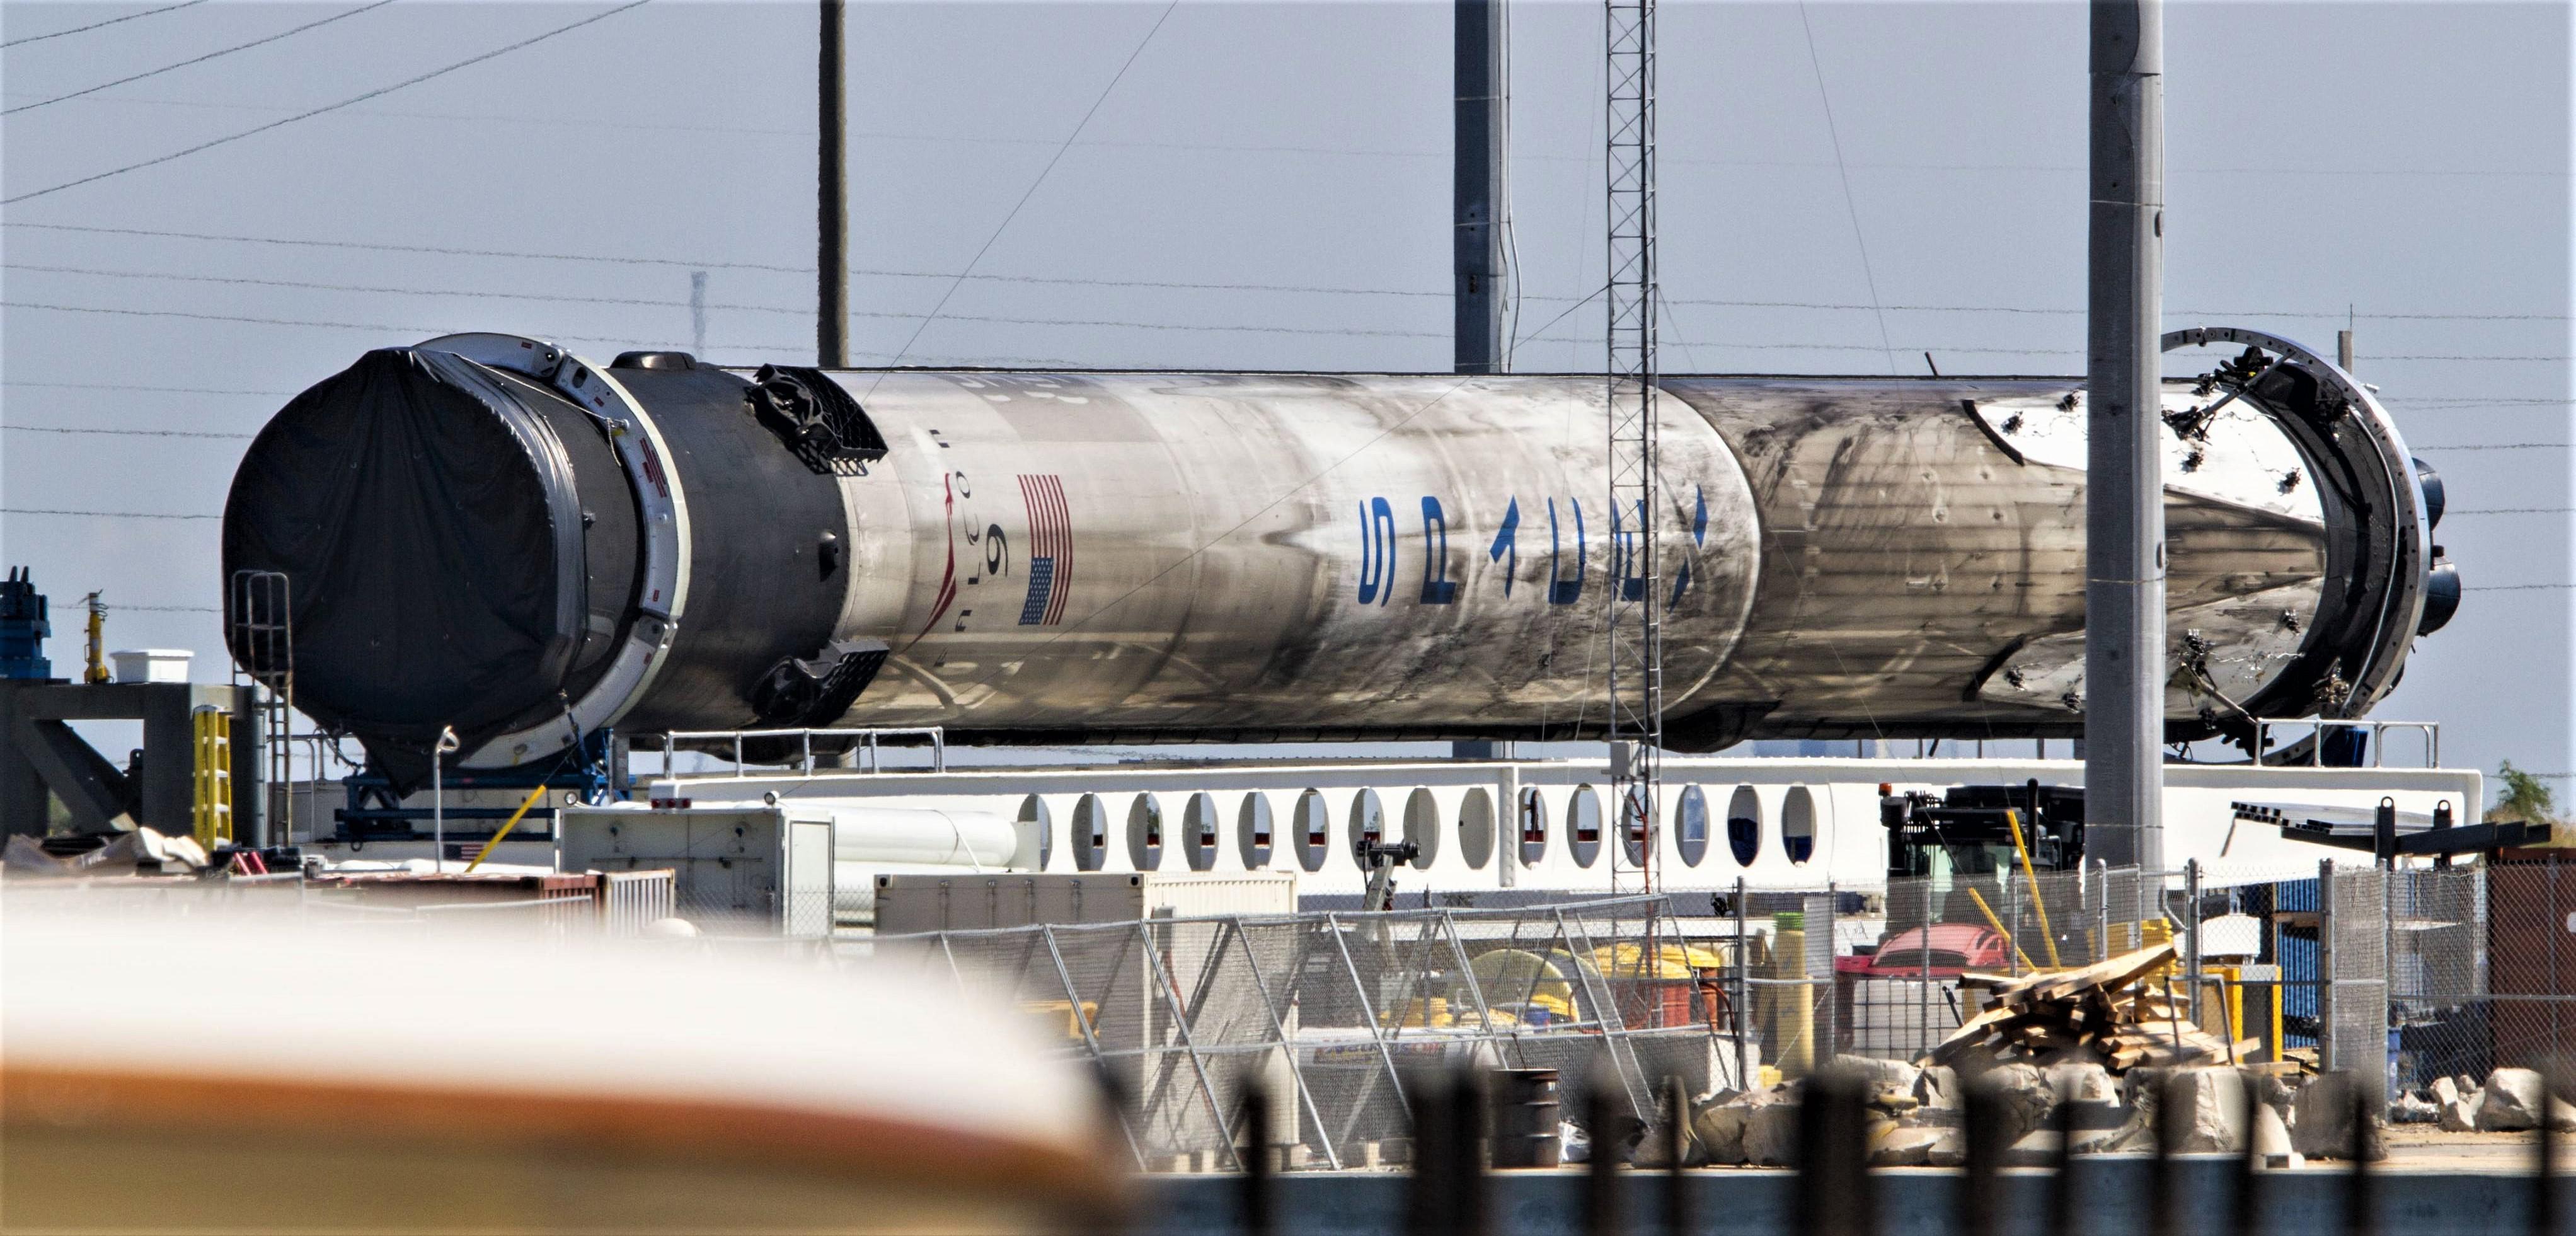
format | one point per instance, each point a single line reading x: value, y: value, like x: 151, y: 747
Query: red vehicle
x: 1955, y: 949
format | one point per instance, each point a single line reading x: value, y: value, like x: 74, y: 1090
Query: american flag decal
x: 1050, y: 550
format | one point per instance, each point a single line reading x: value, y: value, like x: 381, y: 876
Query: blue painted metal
x: 375, y: 812
x: 23, y: 628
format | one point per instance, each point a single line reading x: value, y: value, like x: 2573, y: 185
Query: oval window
x: 1314, y: 824
x: 1583, y: 825
x: 1252, y: 831
x: 1690, y: 827
x: 1034, y: 816
x: 1198, y: 831
x: 1368, y: 825
x: 1422, y: 827
x: 1476, y: 828
x: 1145, y: 832
x: 1744, y: 825
x: 1533, y: 827
x: 1632, y: 825
x: 1798, y: 825
x: 1090, y: 833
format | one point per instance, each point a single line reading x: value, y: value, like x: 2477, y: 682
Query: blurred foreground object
x: 240, y: 1073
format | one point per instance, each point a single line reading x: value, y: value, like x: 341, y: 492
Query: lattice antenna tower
x: 1636, y: 636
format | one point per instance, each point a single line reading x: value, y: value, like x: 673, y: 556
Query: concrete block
x: 2210, y: 1104
x: 2271, y: 1137
x: 2460, y: 1115
x: 2514, y: 1102
x: 2084, y: 1083
x: 1771, y: 1135
x: 1904, y: 1146
x: 2026, y: 1097
x: 2321, y: 1126
x: 1937, y: 1088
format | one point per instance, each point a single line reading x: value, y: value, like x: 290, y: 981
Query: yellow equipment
x: 504, y: 830
x: 95, y: 669
x: 211, y: 806
x: 2047, y: 935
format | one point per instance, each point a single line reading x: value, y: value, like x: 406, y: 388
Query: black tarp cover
x: 430, y: 528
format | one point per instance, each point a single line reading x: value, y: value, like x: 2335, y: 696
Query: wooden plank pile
x: 2109, y: 1013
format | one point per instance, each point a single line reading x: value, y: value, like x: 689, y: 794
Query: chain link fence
x: 2401, y: 976
x: 1334, y: 1013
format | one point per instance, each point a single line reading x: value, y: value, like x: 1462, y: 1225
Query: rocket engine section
x: 482, y: 531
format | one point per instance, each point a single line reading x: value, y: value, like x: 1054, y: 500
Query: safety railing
x: 866, y: 740
x: 2374, y: 735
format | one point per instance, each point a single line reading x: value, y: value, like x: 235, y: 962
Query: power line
x: 2517, y: 587
x: 124, y: 433
x: 119, y: 386
x: 1202, y: 285
x: 646, y: 302
x: 1851, y: 205
x: 38, y: 510
x: 330, y: 107
x: 195, y: 60
x: 219, y: 317
x: 2515, y: 510
x: 1043, y: 173
x: 2493, y: 446
x: 167, y: 8
x: 452, y: 251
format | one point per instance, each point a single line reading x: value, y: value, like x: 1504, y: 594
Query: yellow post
x: 95, y: 670
x: 2276, y: 1021
x: 211, y: 811
x: 1997, y: 924
x: 1793, y: 1034
x: 2048, y: 936
x: 506, y: 826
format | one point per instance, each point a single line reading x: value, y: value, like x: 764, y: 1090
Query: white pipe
x: 979, y: 840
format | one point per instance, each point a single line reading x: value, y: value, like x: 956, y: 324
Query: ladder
x: 262, y: 635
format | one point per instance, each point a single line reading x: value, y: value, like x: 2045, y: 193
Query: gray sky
x: 2407, y: 165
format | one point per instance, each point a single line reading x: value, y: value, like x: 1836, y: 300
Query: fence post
x: 1743, y: 1010
x: 1923, y: 989
x: 2102, y: 910
x: 1368, y: 1009
x: 1169, y: 992
x: 1090, y: 1036
x: 2191, y: 933
x: 1296, y: 1074
x: 2326, y: 967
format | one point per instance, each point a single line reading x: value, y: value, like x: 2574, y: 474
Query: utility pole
x: 1477, y: 160
x: 832, y: 209
x: 1636, y: 719
x: 1479, y: 154
x: 2124, y: 517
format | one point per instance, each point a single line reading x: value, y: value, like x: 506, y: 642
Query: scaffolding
x: 1636, y: 727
